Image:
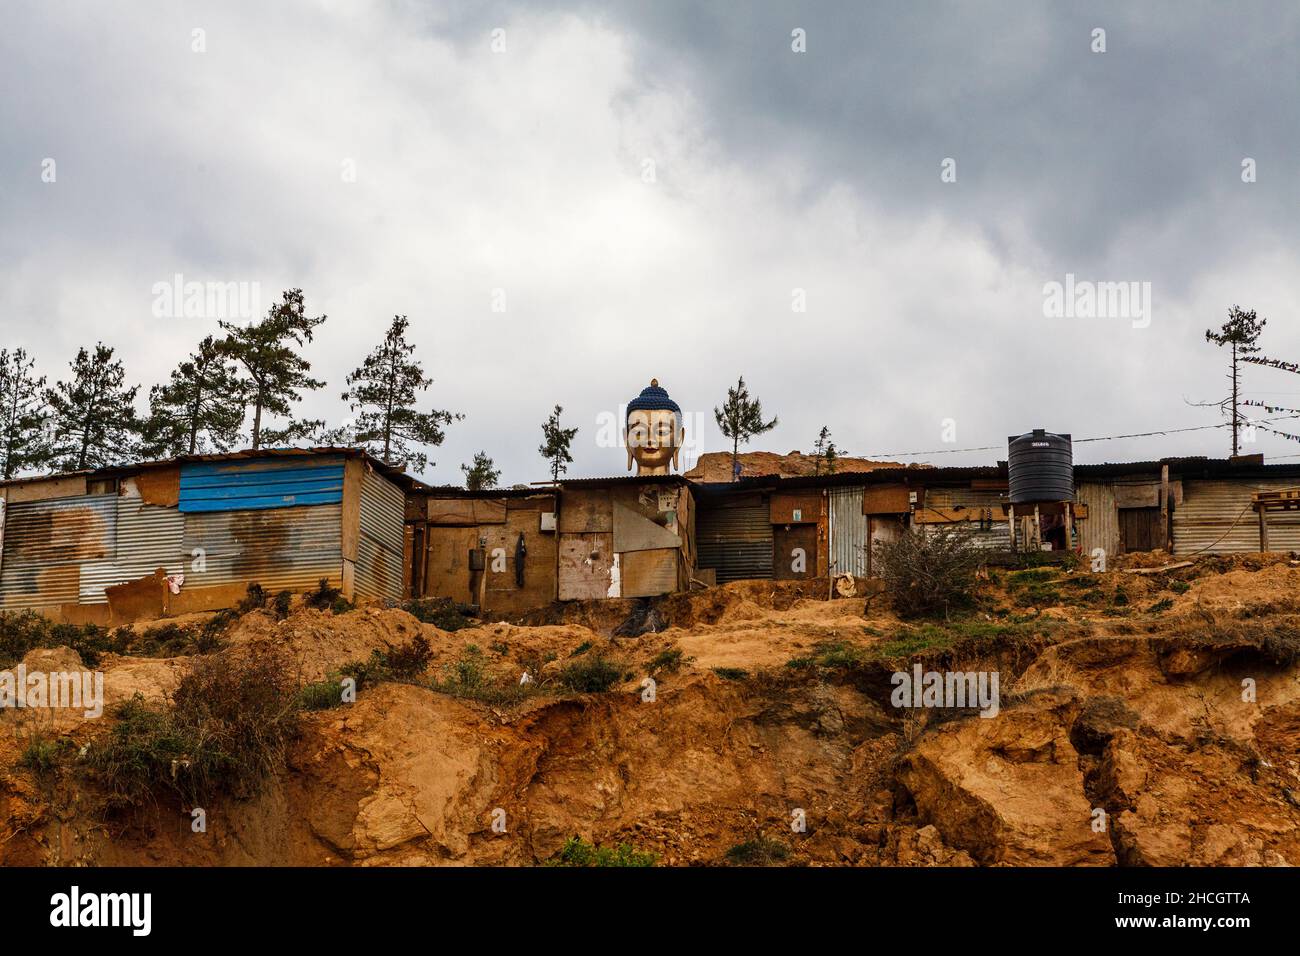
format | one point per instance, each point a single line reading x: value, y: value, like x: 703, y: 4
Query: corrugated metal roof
x: 393, y: 473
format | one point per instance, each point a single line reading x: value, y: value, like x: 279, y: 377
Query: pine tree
x: 555, y: 447
x: 385, y: 388
x: 94, y: 419
x: 741, y: 418
x: 200, y: 409
x: 1241, y: 331
x: 22, y: 414
x: 274, y: 371
x: 826, y: 453
x: 481, y: 475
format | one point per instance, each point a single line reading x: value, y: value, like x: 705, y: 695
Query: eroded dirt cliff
x: 1143, y: 720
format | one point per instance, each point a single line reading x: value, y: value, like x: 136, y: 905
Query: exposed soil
x: 1123, y: 736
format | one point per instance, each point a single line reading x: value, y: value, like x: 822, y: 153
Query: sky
x: 859, y: 207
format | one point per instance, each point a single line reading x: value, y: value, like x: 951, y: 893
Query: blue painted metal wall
x: 260, y: 484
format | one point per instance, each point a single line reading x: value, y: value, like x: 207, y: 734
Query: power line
x: 1166, y: 431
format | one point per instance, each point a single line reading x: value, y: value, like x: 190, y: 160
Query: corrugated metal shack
x: 763, y: 528
x: 632, y: 536
x: 102, y: 545
x: 510, y: 550
x: 494, y: 548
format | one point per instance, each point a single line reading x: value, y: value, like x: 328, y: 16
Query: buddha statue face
x: 654, y: 432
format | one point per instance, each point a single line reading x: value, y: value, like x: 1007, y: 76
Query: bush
x: 760, y: 851
x: 593, y: 674
x: 668, y: 662
x: 226, y: 729
x: 321, y: 695
x: 23, y: 631
x: 443, y: 613
x: 578, y: 852
x: 326, y: 598
x: 283, y: 603
x: 41, y: 755
x: 254, y: 599
x: 929, y: 573
x: 404, y: 663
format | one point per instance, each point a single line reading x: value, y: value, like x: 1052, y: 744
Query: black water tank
x: 1040, y: 467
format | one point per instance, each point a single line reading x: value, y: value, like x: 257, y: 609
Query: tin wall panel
x: 1215, y: 517
x: 148, y: 537
x: 1101, y: 528
x: 736, y: 541
x: 260, y: 484
x: 983, y: 506
x: 379, y: 547
x: 848, y: 532
x: 47, y: 542
x: 279, y: 548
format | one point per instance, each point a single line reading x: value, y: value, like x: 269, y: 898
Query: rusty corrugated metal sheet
x: 996, y: 535
x: 260, y: 483
x: 1215, y: 517
x: 848, y: 531
x: 148, y: 537
x: 736, y: 541
x: 278, y: 548
x: 380, y: 544
x: 1101, y: 528
x: 46, y: 542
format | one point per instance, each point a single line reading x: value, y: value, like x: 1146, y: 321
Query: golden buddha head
x: 654, y: 431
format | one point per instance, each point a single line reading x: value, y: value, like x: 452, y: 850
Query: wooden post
x: 1011, y: 525
x: 1038, y: 530
x: 1069, y: 526
x: 1263, y: 525
x: 1164, y: 506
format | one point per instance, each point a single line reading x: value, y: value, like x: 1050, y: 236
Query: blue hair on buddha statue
x: 653, y: 398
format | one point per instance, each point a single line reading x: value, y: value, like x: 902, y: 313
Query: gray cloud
x: 774, y: 171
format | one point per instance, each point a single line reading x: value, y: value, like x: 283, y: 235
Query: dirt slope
x: 1109, y: 711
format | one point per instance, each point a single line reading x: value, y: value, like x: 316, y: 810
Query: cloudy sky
x: 657, y: 189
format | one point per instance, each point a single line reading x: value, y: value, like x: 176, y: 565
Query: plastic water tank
x: 1040, y: 467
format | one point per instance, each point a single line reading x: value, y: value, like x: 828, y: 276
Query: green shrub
x: 407, y: 662
x: 593, y: 674
x: 283, y: 604
x: 731, y: 673
x: 325, y: 597
x: 225, y: 731
x: 1179, y: 587
x: 760, y: 851
x: 929, y: 572
x: 443, y: 613
x: 578, y: 852
x: 668, y: 662
x: 42, y: 754
x: 24, y: 631
x: 254, y: 599
x: 322, y: 695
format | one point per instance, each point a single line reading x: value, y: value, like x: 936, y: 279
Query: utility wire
x: 1166, y: 431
